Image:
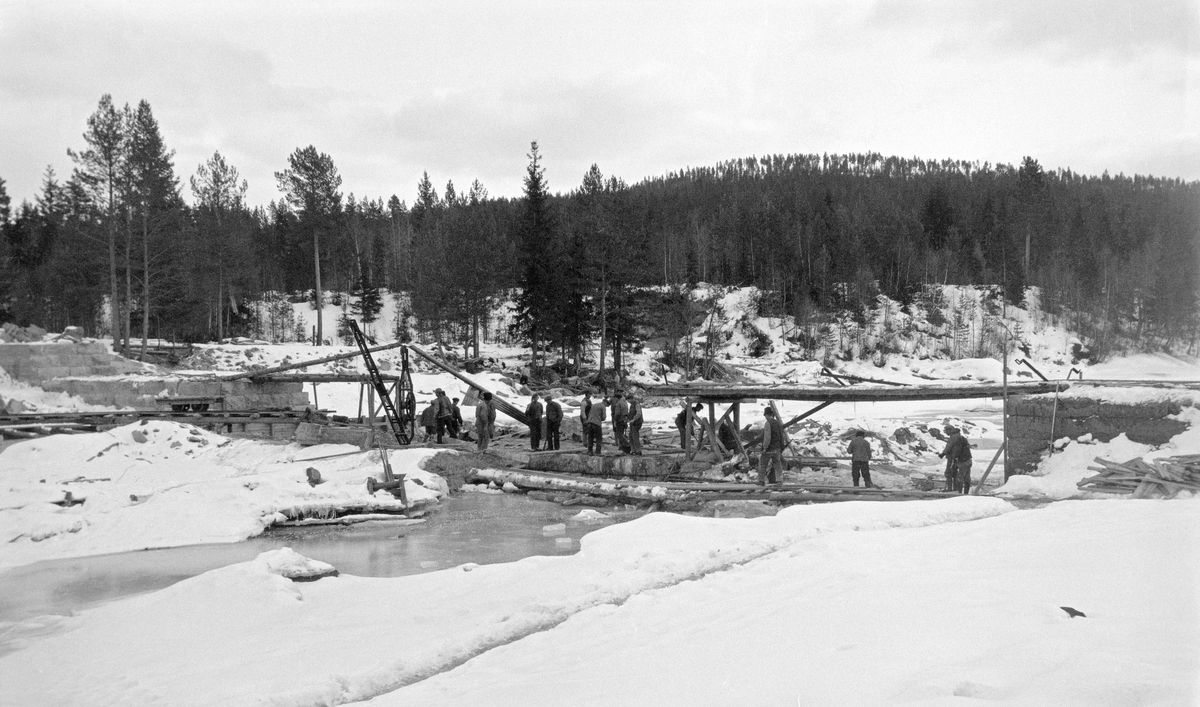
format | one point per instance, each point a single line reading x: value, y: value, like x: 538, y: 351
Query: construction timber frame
x: 712, y: 394
x: 374, y: 386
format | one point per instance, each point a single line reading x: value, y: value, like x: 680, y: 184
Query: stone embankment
x: 90, y: 371
x: 1144, y: 415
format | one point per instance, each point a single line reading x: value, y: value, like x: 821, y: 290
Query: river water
x: 473, y: 527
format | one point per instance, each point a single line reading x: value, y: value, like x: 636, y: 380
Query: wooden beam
x: 979, y: 484
x: 311, y: 362
x: 705, y: 391
x: 501, y: 405
x: 810, y: 413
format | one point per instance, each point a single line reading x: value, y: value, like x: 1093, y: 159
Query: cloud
x: 1114, y: 29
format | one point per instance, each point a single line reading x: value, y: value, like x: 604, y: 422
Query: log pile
x: 1160, y: 478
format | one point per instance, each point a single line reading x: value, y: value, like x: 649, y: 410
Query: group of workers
x: 957, y: 454
x: 545, y: 427
x: 546, y: 422
x: 441, y: 416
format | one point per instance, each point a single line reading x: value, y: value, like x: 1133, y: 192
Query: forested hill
x: 1114, y: 247
x: 826, y: 233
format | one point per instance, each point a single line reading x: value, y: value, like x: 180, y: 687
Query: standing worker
x: 533, y: 414
x: 775, y: 440
x: 485, y: 418
x: 958, y: 458
x: 635, y: 426
x: 429, y: 420
x: 620, y: 421
x: 554, y: 418
x: 681, y: 424
x: 444, y: 412
x: 455, y: 419
x: 860, y: 459
x: 595, y: 427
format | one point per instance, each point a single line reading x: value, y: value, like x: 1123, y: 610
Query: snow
x: 164, y: 484
x: 852, y: 603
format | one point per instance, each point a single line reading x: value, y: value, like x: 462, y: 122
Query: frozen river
x: 480, y: 528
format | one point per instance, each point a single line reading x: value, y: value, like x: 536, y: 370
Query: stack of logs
x: 1161, y: 478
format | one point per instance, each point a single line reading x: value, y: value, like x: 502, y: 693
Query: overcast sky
x: 392, y: 89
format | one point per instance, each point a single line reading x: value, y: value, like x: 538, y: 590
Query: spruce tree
x: 536, y: 232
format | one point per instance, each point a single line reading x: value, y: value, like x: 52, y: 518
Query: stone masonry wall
x: 90, y: 371
x: 141, y: 392
x: 1085, y: 411
x: 40, y: 362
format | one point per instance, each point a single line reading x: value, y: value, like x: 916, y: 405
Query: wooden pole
x: 979, y: 485
x: 687, y: 428
x: 313, y: 362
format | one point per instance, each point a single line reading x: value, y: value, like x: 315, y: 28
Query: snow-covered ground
x: 163, y: 484
x: 924, y: 603
x: 913, y: 603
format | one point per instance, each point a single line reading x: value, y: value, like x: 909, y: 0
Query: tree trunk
x: 603, y: 321
x: 317, y: 292
x: 145, y: 283
x: 128, y: 283
x: 114, y: 305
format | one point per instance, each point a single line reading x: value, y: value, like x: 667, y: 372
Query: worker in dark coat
x: 554, y: 417
x: 533, y: 416
x: 485, y: 421
x: 444, y: 412
x: 951, y: 471
x: 455, y: 419
x: 429, y: 420
x: 860, y: 459
x: 635, y: 420
x: 681, y: 424
x: 958, y: 455
x: 775, y: 440
x: 620, y: 421
x: 595, y: 427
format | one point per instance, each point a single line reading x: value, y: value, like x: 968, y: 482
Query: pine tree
x: 310, y: 184
x: 99, y: 169
x: 220, y: 196
x: 155, y: 192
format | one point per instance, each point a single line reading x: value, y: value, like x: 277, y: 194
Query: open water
x: 479, y: 528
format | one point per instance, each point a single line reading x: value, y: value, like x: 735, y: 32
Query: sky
x: 459, y: 90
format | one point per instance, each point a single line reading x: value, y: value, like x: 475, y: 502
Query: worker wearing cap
x: 456, y: 420
x: 635, y: 426
x: 533, y: 414
x: 554, y: 418
x: 860, y: 459
x: 444, y: 410
x: 620, y: 421
x: 775, y: 440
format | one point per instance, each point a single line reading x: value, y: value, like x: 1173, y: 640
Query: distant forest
x: 824, y: 234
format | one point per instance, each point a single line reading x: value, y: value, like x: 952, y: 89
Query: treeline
x: 116, y: 248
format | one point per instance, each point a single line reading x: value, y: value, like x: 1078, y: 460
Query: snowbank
x: 853, y: 603
x: 249, y: 636
x: 162, y: 484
